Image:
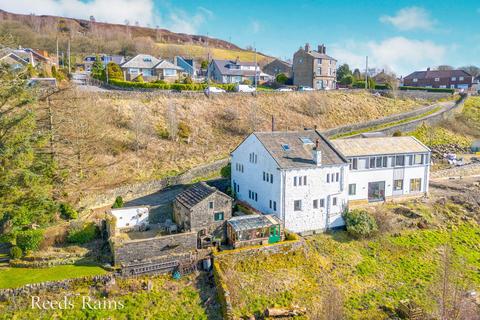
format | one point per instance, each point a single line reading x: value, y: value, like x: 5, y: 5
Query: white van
x: 244, y: 88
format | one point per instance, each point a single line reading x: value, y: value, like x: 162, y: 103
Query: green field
x: 16, y: 277
x: 371, y: 276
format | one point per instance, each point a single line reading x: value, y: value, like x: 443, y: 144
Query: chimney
x: 317, y: 153
x: 307, y: 47
x: 322, y: 48
x: 428, y: 69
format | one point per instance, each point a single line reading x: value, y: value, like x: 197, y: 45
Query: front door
x: 376, y: 191
x: 274, y: 234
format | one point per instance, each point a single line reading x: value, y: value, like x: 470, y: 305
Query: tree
x: 444, y: 67
x: 347, y: 80
x: 204, y: 64
x: 97, y: 68
x: 357, y: 74
x: 473, y: 70
x: 343, y: 71
x: 281, y: 78
x: 26, y: 175
x: 114, y: 71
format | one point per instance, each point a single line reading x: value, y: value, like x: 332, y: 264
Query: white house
x: 308, y: 181
x: 131, y: 217
x: 298, y: 176
x: 384, y: 168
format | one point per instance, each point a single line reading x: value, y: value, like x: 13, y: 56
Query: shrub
x: 82, y: 233
x: 139, y: 79
x: 16, y: 252
x: 281, y: 78
x: 188, y: 80
x: 184, y: 130
x: 226, y: 171
x: 360, y: 224
x: 114, y: 71
x: 162, y: 132
x: 290, y: 236
x: 397, y: 133
x: 29, y: 240
x: 246, y: 81
x: 67, y: 211
x: 118, y: 202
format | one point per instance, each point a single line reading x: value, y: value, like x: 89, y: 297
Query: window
x: 239, y: 167
x: 352, y: 189
x: 315, y: 204
x: 322, y: 203
x: 263, y: 175
x: 461, y: 78
x: 397, y: 185
x: 271, y: 178
x: 328, y: 177
x: 454, y: 78
x: 252, y: 195
x: 399, y: 161
x: 415, y: 185
x: 385, y: 162
x: 253, y: 157
x: 415, y: 80
x: 169, y: 72
x: 285, y: 147
x: 372, y: 162
x: 218, y: 216
x: 210, y: 204
x: 337, y: 176
x: 306, y: 140
x: 297, y: 205
x: 294, y: 181
x: 418, y: 159
x: 353, y: 164
x: 238, y: 188
x: 437, y: 79
x: 378, y: 163
x: 334, y: 201
x: 274, y: 205
x: 270, y: 204
x: 304, y: 180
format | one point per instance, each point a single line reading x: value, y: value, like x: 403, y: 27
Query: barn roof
x: 196, y: 194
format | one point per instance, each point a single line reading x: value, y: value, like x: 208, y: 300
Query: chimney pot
x: 307, y: 47
x: 428, y: 69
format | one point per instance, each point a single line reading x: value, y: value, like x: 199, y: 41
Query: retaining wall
x: 138, y: 190
x: 126, y: 252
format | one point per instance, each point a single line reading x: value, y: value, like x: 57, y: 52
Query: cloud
x: 411, y: 18
x: 256, y: 26
x: 399, y: 54
x: 143, y: 11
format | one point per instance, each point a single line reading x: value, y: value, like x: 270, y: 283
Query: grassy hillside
x: 107, y: 140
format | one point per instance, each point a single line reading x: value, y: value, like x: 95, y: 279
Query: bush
x: 247, y: 82
x: 428, y: 89
x: 67, y: 212
x: 360, y: 224
x: 281, y: 78
x: 226, y: 172
x: 16, y: 253
x: 188, y: 80
x: 162, y: 132
x: 398, y: 133
x: 139, y: 79
x: 184, y: 130
x: 82, y: 233
x: 118, y: 202
x: 290, y: 236
x: 29, y: 240
x: 114, y: 72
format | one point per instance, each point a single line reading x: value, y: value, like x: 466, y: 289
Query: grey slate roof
x: 195, y: 194
x: 319, y: 55
x: 299, y: 154
x: 431, y: 74
x: 164, y: 64
x: 141, y: 61
x: 222, y: 65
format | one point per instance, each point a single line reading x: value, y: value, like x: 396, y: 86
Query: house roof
x: 4, y: 54
x: 141, y: 61
x: 319, y: 55
x: 164, y: 64
x: 222, y: 66
x: 378, y: 146
x: 195, y: 194
x: 278, y: 61
x: 290, y: 151
x: 431, y: 74
x: 252, y: 222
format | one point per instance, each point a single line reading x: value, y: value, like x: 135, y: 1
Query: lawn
x: 371, y: 275
x: 16, y: 277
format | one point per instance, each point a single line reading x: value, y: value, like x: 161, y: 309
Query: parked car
x: 284, y: 89
x: 303, y: 88
x: 244, y: 88
x: 213, y: 90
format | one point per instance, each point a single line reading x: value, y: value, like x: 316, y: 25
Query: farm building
x: 254, y: 230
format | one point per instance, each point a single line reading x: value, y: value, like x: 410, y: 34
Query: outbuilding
x: 255, y: 229
x: 131, y: 217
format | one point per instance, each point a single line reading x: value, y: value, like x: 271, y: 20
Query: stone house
x: 203, y: 209
x: 278, y: 66
x: 314, y: 69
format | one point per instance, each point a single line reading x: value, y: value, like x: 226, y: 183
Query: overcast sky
x: 398, y: 35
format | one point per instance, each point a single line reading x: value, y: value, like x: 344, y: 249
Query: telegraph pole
x: 58, y: 58
x: 366, y: 72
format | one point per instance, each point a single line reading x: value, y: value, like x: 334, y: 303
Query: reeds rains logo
x: 66, y: 303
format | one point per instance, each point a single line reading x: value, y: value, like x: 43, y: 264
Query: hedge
x: 169, y: 86
x: 449, y: 90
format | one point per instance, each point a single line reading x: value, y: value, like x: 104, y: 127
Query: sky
x: 400, y: 36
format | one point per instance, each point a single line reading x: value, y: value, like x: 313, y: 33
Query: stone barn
x: 204, y: 209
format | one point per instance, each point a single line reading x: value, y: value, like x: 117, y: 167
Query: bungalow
x: 23, y: 56
x: 150, y: 68
x: 235, y: 71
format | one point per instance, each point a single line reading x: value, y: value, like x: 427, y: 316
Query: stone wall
x: 471, y: 169
x: 418, y: 94
x: 129, y: 251
x: 137, y: 190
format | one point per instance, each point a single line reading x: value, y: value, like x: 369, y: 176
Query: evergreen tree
x: 26, y: 175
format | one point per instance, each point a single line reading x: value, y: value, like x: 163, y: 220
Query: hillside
x: 89, y: 37
x: 107, y: 140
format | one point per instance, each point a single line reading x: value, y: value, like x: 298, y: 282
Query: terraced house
x: 453, y: 79
x: 308, y: 181
x: 314, y: 69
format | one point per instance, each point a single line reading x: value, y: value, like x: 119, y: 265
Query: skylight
x: 306, y: 140
x: 285, y: 147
